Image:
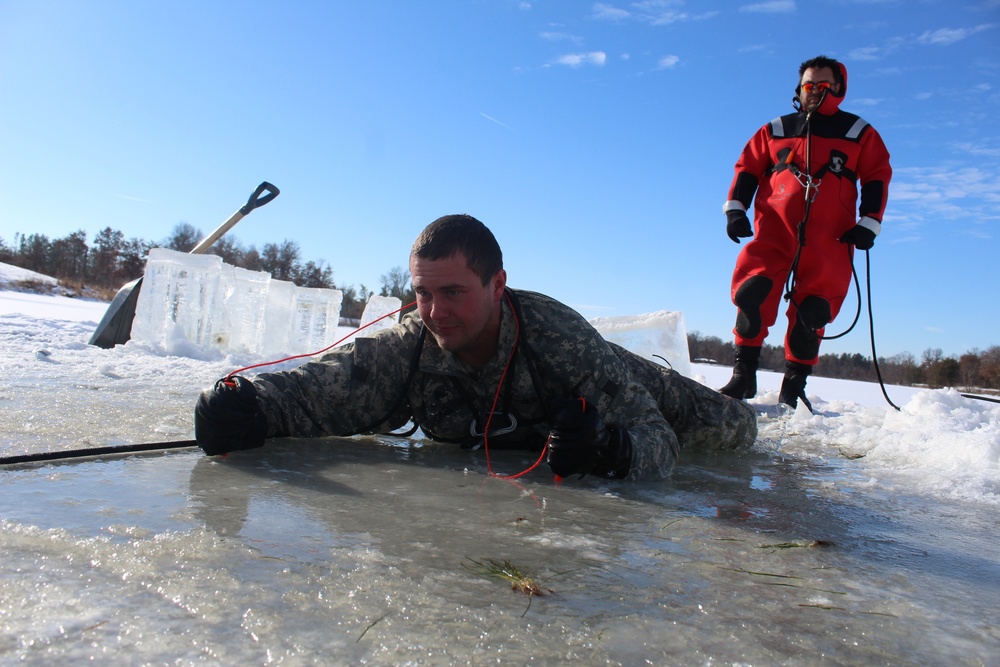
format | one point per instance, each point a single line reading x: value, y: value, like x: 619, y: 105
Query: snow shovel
x: 116, y: 325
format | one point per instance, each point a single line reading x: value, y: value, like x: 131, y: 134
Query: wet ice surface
x: 356, y: 550
x: 855, y: 536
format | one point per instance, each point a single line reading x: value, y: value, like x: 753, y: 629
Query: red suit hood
x: 831, y: 102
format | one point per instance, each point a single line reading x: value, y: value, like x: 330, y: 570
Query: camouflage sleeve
x: 576, y: 361
x: 348, y: 390
x: 701, y: 417
x: 626, y: 403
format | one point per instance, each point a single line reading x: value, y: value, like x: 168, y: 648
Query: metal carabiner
x: 510, y: 427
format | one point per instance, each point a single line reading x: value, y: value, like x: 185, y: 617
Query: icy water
x: 361, y: 552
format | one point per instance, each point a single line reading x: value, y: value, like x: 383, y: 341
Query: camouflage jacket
x: 379, y: 383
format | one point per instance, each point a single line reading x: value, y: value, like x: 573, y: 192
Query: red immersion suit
x: 840, y: 152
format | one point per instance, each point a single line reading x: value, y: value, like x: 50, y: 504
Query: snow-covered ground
x: 855, y: 535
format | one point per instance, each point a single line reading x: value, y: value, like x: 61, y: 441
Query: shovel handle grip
x: 256, y: 201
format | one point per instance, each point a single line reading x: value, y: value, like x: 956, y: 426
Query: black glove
x: 227, y: 418
x: 862, y: 237
x: 579, y: 443
x: 738, y: 225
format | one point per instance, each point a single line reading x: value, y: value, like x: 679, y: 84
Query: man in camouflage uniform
x: 481, y: 362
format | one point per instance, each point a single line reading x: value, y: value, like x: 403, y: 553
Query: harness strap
x: 529, y: 354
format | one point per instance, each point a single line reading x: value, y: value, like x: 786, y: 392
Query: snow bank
x: 10, y: 274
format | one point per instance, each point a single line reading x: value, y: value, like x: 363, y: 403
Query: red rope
x: 496, y: 399
x: 313, y: 354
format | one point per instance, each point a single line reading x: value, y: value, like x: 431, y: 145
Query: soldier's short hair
x: 462, y: 233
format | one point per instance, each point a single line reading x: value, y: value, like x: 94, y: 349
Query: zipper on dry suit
x: 811, y: 187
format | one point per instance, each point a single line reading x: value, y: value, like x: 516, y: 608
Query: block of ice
x: 277, y: 318
x: 662, y: 333
x: 196, y: 302
x: 377, y: 308
x: 177, y: 298
x: 315, y: 317
x: 238, y: 323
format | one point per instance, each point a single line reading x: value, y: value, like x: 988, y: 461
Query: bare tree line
x: 975, y: 369
x: 111, y: 260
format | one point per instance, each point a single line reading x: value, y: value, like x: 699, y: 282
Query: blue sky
x: 596, y: 140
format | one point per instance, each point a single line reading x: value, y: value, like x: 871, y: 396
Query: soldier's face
x: 461, y: 313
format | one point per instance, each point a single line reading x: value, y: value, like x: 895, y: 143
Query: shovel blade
x: 116, y: 325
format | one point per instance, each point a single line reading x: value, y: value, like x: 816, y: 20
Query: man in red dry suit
x: 805, y: 169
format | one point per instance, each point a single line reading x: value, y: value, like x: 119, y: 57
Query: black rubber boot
x: 743, y: 384
x: 793, y: 385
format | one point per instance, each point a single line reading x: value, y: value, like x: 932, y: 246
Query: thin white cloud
x: 657, y: 5
x: 560, y: 37
x: 595, y: 58
x: 603, y: 12
x: 890, y: 46
x: 661, y: 13
x: 949, y: 36
x: 940, y: 37
x: 667, y: 62
x: 652, y: 12
x: 964, y: 195
x: 973, y: 149
x: 491, y: 118
x: 770, y: 7
x: 667, y: 18
x: 865, y: 53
